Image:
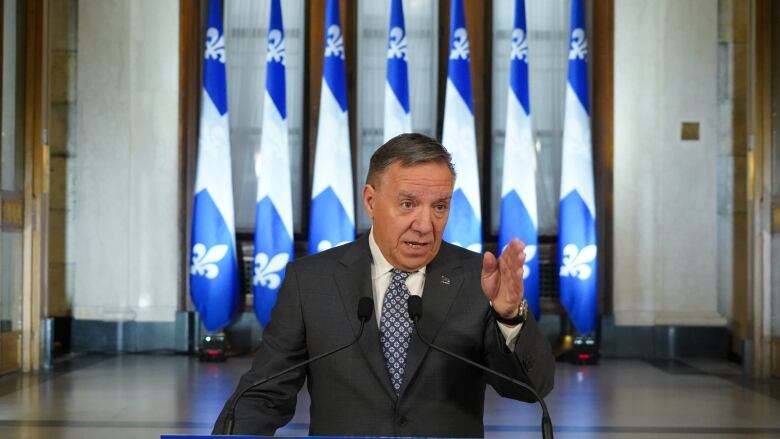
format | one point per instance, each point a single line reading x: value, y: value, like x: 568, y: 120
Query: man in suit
x: 390, y: 383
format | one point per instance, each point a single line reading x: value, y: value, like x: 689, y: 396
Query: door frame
x: 36, y: 180
x: 759, y: 158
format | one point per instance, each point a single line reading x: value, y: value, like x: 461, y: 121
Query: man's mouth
x: 415, y: 245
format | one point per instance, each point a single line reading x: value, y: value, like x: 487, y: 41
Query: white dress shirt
x: 382, y: 274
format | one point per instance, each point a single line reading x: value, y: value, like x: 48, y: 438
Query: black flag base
x: 576, y: 348
x: 584, y: 350
x: 213, y: 347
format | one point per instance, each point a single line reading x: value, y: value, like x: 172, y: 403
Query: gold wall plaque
x: 11, y: 210
x: 776, y: 356
x: 690, y: 131
x: 9, y: 351
x: 776, y: 219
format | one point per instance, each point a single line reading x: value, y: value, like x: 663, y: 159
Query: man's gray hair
x: 408, y: 149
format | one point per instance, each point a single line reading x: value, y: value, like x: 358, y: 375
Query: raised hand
x: 502, y: 278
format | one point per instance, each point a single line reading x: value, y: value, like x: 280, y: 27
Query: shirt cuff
x: 510, y: 334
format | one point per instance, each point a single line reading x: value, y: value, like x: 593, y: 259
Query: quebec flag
x: 273, y: 218
x: 577, y: 246
x: 332, y: 220
x: 464, y: 227
x: 214, y: 270
x: 518, y: 189
x: 398, y: 116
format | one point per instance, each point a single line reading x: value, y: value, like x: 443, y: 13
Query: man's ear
x: 369, y: 197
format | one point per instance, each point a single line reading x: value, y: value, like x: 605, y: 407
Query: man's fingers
x: 511, y: 266
x: 513, y: 256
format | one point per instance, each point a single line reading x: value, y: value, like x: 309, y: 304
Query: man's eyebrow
x: 407, y: 194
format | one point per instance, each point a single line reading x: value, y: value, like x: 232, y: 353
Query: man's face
x: 409, y: 207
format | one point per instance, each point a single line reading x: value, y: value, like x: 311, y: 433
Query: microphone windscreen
x: 365, y: 309
x: 415, y: 307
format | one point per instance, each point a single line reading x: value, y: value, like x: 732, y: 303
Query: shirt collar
x: 381, y: 266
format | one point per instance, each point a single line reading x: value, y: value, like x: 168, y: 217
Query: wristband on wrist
x: 522, y: 314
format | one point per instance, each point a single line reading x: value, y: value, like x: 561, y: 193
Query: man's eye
x: 440, y: 208
x: 406, y: 204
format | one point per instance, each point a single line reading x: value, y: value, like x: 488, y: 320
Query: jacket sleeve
x: 531, y: 362
x: 263, y: 410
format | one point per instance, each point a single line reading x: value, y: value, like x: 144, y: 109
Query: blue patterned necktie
x: 396, y: 328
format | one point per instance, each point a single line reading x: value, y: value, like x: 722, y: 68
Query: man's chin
x: 414, y: 262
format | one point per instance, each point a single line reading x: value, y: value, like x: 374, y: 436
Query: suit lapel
x: 441, y: 287
x: 354, y: 282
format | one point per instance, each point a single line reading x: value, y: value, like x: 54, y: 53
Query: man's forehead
x: 425, y: 179
x: 424, y: 173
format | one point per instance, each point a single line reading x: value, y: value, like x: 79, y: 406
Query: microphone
x: 364, y: 311
x: 415, y: 312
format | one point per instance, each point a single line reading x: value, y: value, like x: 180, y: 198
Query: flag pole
x: 214, y: 267
x: 577, y: 241
x: 332, y: 220
x: 273, y: 243
x: 464, y: 226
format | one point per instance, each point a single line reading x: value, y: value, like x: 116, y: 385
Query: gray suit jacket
x: 350, y: 391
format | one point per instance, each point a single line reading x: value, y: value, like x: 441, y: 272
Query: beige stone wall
x: 665, y: 187
x: 118, y: 190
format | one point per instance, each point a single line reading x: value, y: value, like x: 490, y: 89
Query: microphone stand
x: 415, y: 311
x: 365, y: 308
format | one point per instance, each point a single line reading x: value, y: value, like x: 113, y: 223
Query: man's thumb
x: 489, y: 262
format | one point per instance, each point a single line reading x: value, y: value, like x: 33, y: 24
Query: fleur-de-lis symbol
x: 530, y: 253
x: 276, y: 52
x: 325, y: 245
x: 266, y: 271
x: 460, y: 44
x: 579, y: 45
x: 215, y: 45
x: 204, y: 262
x: 519, y: 46
x: 576, y: 262
x: 396, y: 45
x: 335, y: 44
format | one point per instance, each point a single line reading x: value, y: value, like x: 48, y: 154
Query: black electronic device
x: 213, y: 347
x: 584, y: 350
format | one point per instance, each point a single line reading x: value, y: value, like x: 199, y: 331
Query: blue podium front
x: 203, y: 436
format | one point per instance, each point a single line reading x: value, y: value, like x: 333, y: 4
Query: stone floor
x: 144, y: 396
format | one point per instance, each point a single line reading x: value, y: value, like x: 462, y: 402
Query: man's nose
x: 423, y: 221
